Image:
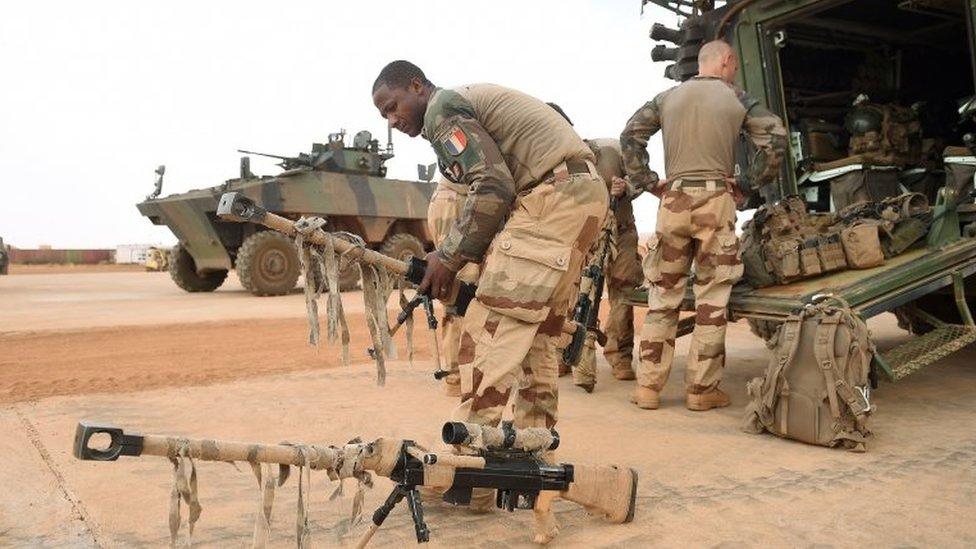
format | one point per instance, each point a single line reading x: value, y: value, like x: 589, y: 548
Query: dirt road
x: 703, y: 482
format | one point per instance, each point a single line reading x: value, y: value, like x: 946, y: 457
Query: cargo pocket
x: 728, y: 264
x: 521, y: 275
x: 652, y: 260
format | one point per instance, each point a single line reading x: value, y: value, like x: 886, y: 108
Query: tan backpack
x: 816, y: 388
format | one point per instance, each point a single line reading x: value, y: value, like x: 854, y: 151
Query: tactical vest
x: 887, y: 133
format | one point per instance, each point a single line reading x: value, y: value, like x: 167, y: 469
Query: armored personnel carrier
x: 878, y: 98
x: 346, y: 185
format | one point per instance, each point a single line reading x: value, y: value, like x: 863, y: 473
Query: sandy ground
x: 177, y: 363
x: 70, y: 268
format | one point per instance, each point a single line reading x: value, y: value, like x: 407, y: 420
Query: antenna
x: 389, y: 139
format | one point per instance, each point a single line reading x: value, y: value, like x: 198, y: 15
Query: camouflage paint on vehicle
x: 345, y: 185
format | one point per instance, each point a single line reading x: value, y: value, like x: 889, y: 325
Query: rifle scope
x: 505, y: 437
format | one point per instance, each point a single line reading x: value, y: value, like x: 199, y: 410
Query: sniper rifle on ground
x: 502, y: 458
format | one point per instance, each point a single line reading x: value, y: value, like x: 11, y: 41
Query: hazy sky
x: 94, y: 95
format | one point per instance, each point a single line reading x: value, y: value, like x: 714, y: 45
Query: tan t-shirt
x: 701, y: 120
x: 498, y: 142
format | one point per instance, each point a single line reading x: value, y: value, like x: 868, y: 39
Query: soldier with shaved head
x: 534, y: 205
x: 701, y: 120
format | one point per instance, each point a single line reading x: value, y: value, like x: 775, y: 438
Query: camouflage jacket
x: 701, y: 120
x: 498, y: 142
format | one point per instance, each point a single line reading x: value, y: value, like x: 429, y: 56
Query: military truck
x: 833, y: 70
x: 346, y: 185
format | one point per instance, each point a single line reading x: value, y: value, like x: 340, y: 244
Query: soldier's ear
x: 416, y: 85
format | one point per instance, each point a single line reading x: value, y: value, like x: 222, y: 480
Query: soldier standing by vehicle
x: 535, y: 205
x: 622, y: 271
x: 442, y: 213
x: 701, y: 120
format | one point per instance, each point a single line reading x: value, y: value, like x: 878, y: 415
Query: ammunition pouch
x: 862, y: 245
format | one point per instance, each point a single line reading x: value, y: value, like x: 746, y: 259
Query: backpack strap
x: 777, y: 386
x: 836, y: 384
x: 823, y: 351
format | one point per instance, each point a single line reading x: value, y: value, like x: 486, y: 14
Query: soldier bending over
x: 535, y: 204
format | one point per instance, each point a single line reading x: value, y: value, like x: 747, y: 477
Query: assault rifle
x: 234, y: 206
x: 586, y: 313
x: 502, y: 458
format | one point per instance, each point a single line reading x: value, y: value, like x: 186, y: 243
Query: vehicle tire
x: 267, y: 264
x: 183, y: 270
x: 402, y: 246
x: 764, y: 329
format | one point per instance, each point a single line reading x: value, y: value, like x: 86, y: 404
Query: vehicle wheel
x: 267, y: 263
x: 183, y: 270
x: 402, y: 246
x: 764, y: 329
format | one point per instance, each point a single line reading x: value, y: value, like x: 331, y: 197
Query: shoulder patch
x: 454, y: 141
x: 453, y: 172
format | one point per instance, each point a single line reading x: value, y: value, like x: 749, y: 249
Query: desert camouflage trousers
x: 693, y: 224
x: 507, y: 354
x: 623, y: 273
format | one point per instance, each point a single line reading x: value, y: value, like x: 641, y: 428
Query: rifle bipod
x: 406, y: 313
x: 400, y: 491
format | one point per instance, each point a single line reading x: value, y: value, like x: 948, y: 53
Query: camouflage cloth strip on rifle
x: 324, y: 265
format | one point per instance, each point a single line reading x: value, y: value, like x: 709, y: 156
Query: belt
x: 572, y: 167
x: 709, y: 184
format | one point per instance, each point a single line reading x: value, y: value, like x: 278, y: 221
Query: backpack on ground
x: 816, y: 388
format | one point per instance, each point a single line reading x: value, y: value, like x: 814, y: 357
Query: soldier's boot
x: 452, y: 389
x: 545, y: 525
x: 624, y: 373
x: 715, y: 398
x: 646, y: 398
x: 452, y: 385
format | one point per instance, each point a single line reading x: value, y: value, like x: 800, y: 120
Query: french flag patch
x: 455, y: 142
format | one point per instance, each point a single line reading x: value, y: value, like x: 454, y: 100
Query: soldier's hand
x: 660, y: 187
x: 737, y: 195
x: 618, y: 186
x: 438, y: 279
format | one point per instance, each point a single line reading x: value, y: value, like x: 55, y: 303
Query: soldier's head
x: 716, y: 58
x: 401, y: 92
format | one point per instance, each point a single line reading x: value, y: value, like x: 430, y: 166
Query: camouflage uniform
x: 535, y: 205
x: 701, y: 120
x: 442, y: 213
x: 623, y: 273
